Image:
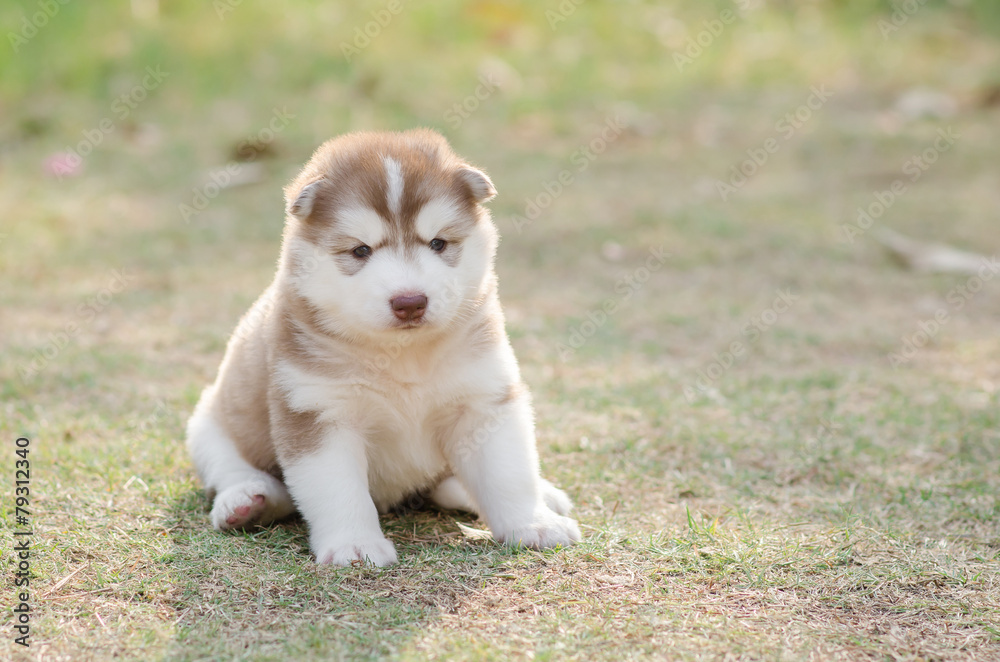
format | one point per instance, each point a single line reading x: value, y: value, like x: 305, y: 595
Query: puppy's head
x: 386, y: 234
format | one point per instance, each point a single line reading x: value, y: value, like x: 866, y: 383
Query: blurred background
x: 756, y: 142
x: 697, y: 203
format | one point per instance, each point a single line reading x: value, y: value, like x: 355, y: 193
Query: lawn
x: 782, y: 445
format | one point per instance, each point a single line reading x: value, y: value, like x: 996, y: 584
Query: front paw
x: 547, y: 529
x: 376, y: 551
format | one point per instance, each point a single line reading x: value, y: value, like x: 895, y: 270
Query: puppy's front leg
x: 330, y: 487
x: 495, y: 458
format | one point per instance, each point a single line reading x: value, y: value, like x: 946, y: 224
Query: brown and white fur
x: 376, y: 365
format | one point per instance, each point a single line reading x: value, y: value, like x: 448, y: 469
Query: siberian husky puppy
x: 376, y: 364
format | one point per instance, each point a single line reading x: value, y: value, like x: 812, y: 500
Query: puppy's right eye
x: 362, y: 251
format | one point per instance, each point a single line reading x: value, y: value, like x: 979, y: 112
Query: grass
x: 810, y: 503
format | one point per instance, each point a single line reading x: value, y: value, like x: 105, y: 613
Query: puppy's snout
x: 408, y: 308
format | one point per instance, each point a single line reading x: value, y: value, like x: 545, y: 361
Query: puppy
x: 376, y: 364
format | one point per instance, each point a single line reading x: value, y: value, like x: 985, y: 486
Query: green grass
x: 813, y: 503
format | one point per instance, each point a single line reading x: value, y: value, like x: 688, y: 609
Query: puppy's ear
x: 479, y: 184
x: 302, y: 204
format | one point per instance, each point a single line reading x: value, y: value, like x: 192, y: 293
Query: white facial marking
x: 394, y: 191
x: 436, y: 215
x: 313, y: 272
x: 361, y: 223
x: 358, y: 304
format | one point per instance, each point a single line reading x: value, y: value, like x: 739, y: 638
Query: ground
x: 781, y: 443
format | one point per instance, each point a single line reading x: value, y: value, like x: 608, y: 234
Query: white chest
x: 401, y: 422
x: 404, y: 443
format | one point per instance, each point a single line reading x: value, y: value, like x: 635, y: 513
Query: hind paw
x: 237, y: 508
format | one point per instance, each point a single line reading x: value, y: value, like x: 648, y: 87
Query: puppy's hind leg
x: 555, y: 499
x: 451, y: 495
x: 244, y: 495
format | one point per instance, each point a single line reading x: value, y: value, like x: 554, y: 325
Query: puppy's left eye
x: 438, y: 245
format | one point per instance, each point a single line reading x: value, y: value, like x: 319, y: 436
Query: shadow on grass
x: 258, y: 594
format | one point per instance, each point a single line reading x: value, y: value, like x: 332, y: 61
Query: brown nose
x: 409, y: 308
